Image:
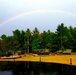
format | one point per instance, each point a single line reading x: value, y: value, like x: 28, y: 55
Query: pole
x: 70, y: 61
x: 40, y: 59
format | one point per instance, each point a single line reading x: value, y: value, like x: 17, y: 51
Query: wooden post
x: 70, y: 61
x: 40, y: 59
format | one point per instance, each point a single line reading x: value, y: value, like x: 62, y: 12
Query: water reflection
x: 34, y: 68
x: 6, y: 73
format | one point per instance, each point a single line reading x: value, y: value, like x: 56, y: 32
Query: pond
x: 35, y: 68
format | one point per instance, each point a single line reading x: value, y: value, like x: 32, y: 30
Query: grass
x: 62, y: 59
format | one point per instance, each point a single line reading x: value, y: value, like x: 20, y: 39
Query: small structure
x: 59, y: 52
x: 41, y: 51
x: 67, y: 51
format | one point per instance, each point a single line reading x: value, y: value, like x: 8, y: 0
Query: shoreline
x: 61, y: 59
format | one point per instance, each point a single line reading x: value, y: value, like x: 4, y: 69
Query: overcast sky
x: 43, y: 14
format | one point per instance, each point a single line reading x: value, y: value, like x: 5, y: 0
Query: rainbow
x: 36, y: 11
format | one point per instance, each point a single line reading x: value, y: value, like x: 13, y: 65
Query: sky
x: 43, y: 14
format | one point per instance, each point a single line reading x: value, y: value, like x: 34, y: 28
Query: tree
x: 16, y: 40
x: 27, y: 39
x: 9, y: 43
x: 3, y: 46
x: 60, y: 33
x: 3, y: 36
x: 47, y: 39
x: 73, y: 37
x: 3, y: 43
x: 64, y: 36
x: 36, y: 39
x: 55, y: 42
x: 22, y: 41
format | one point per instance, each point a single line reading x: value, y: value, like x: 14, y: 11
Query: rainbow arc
x: 34, y: 12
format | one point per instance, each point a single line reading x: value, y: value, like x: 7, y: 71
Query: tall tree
x: 9, y: 43
x: 16, y: 40
x: 47, y: 39
x: 22, y: 40
x: 27, y: 39
x: 73, y: 37
x: 36, y: 39
x: 60, y: 33
x: 64, y: 36
x: 3, y: 43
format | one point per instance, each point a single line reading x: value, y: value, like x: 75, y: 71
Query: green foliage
x: 64, y: 38
x: 27, y: 40
x: 36, y: 39
x: 3, y: 36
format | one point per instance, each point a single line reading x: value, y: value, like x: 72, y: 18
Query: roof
x: 67, y: 51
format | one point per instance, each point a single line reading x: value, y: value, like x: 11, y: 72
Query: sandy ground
x: 62, y: 59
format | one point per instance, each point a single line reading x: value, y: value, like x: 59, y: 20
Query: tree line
x: 27, y: 41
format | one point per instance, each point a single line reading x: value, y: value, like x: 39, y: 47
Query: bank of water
x: 35, y: 68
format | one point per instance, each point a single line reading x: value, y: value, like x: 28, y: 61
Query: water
x: 35, y: 68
